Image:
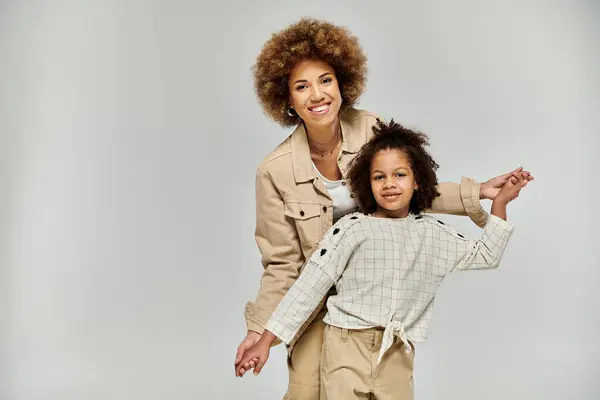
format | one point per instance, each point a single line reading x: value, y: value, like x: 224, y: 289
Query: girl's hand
x: 255, y: 357
x: 511, y: 189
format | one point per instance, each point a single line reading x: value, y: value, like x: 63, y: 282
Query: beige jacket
x: 294, y: 210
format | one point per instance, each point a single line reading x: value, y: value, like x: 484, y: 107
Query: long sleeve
x: 299, y: 302
x: 320, y: 273
x: 465, y: 254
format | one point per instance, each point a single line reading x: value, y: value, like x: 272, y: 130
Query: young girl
x: 387, y: 265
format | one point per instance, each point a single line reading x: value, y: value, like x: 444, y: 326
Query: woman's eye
x: 327, y: 80
x: 400, y: 174
x: 377, y: 177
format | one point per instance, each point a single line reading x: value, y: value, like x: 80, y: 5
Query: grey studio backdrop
x: 129, y: 140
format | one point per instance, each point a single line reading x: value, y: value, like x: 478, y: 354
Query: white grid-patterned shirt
x: 386, y: 272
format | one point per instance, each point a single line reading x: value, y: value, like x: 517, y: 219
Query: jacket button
x: 324, y: 209
x: 343, y: 183
x: 301, y: 213
x: 351, y: 195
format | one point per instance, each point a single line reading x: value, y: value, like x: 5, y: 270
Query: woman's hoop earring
x: 291, y: 112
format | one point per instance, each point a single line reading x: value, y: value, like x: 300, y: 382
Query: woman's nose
x: 316, y: 94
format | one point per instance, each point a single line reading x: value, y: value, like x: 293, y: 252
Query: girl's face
x: 315, y: 93
x: 392, y: 183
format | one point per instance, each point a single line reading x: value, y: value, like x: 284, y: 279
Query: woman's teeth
x: 320, y: 109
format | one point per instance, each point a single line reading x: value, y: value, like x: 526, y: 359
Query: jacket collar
x: 302, y: 163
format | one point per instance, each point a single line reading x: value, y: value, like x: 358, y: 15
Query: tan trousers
x: 304, y: 365
x: 310, y: 353
x: 349, y: 367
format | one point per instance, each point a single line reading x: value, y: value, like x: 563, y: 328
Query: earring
x: 291, y: 112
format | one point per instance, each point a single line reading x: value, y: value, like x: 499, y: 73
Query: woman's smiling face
x: 315, y: 93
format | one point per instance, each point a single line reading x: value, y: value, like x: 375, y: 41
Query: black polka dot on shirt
x: 441, y: 222
x: 336, y: 231
x: 355, y: 217
x: 323, y: 251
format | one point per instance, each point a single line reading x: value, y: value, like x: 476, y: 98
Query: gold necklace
x: 335, y: 139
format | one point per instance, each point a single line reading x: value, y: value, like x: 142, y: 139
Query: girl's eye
x: 400, y: 174
x: 327, y: 80
x: 377, y: 177
x: 300, y: 87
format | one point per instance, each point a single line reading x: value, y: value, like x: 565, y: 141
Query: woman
x: 310, y: 75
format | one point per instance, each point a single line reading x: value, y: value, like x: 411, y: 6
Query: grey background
x: 129, y: 139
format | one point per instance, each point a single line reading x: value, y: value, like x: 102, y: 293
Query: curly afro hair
x: 307, y: 39
x: 412, y: 144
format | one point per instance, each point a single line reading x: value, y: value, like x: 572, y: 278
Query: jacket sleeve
x: 460, y: 199
x: 280, y: 249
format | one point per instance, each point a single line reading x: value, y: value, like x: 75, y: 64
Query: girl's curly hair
x: 307, y: 39
x: 412, y: 145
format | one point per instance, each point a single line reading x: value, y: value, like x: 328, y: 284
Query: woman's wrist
x: 481, y: 193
